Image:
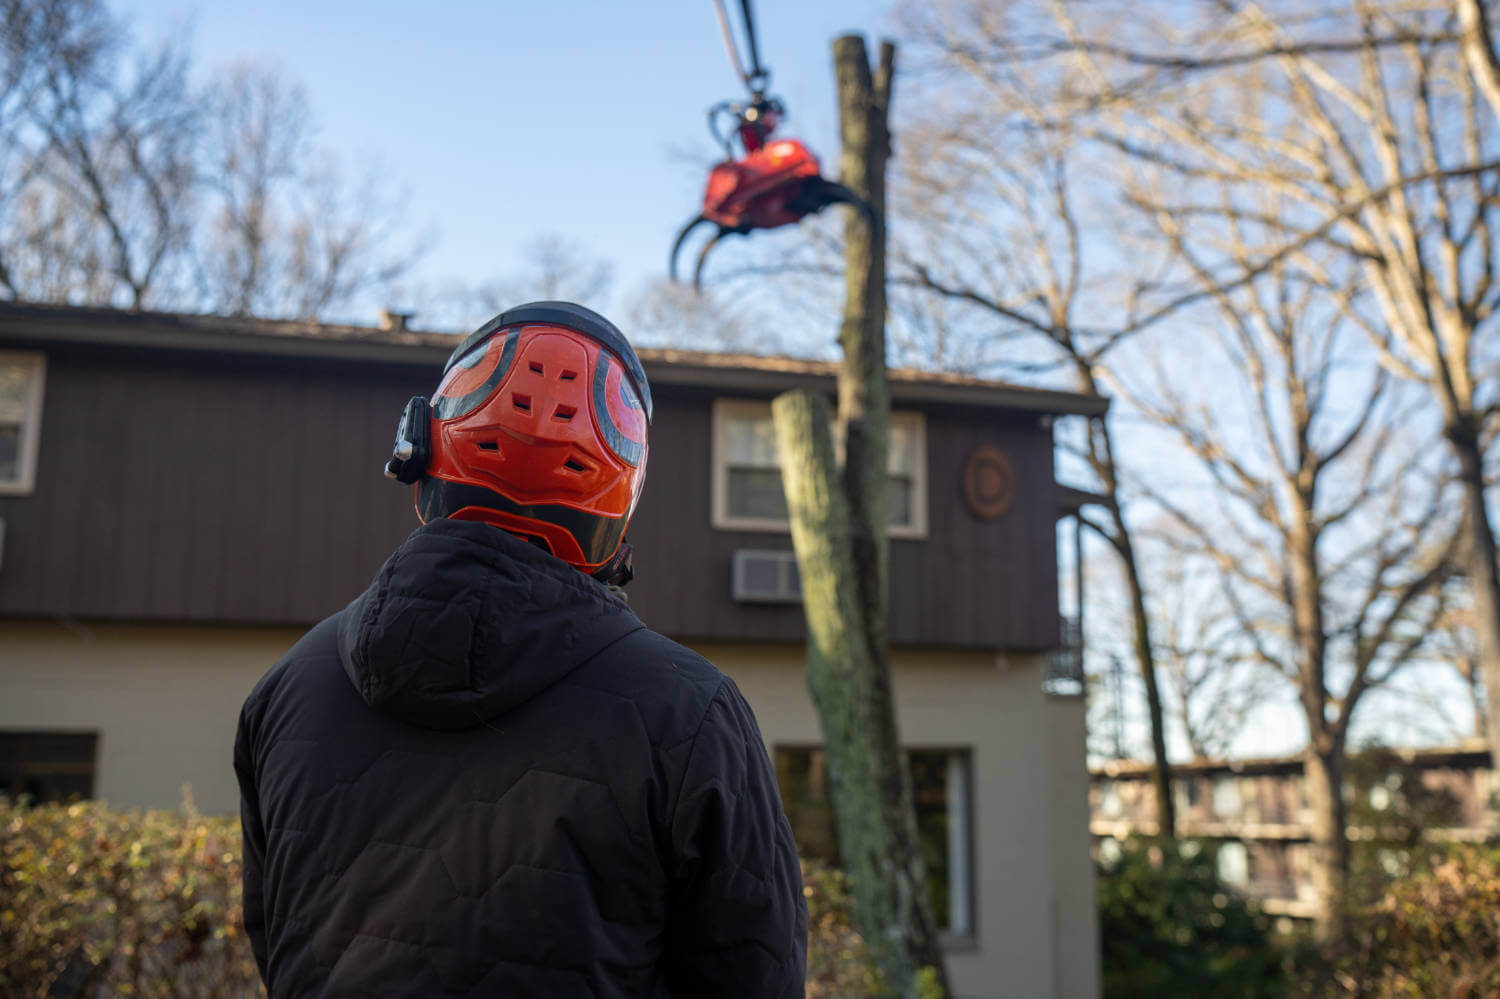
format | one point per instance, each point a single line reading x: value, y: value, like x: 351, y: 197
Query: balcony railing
x: 1065, y: 666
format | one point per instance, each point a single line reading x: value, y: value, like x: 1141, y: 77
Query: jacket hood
x: 464, y: 622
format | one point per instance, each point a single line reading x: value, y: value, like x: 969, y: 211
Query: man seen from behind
x: 485, y: 776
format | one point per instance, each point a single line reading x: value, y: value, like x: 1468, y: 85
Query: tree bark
x: 838, y: 520
x: 1161, y: 767
x: 1479, y: 50
x: 1324, y: 780
x: 850, y: 687
x: 864, y: 402
x: 1479, y: 567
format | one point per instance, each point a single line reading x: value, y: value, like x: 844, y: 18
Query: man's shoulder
x: 671, y: 685
x: 320, y: 642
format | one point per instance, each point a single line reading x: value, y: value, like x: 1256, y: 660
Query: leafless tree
x: 553, y: 267
x: 837, y: 510
x: 106, y: 147
x: 41, y: 40
x: 258, y: 143
x: 1213, y: 683
x: 1319, y: 509
x: 999, y: 225
x: 666, y: 314
x: 121, y: 184
x: 1376, y: 123
x: 1454, y: 646
x: 1373, y: 125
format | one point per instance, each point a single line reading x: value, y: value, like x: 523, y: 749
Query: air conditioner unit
x: 766, y: 577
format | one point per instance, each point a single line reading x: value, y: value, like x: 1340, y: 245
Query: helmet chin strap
x: 620, y: 569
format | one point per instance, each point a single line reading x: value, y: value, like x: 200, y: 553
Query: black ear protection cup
x: 413, y: 448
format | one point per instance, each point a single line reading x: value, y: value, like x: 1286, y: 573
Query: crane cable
x: 755, y: 81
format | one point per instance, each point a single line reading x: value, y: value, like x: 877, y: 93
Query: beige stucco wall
x: 164, y: 701
x: 1075, y: 906
x: 1033, y: 884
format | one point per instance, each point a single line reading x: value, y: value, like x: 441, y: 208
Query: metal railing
x: 1065, y: 666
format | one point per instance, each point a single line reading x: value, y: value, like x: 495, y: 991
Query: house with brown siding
x: 182, y: 496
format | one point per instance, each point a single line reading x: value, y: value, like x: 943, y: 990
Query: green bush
x: 96, y: 902
x: 1169, y: 927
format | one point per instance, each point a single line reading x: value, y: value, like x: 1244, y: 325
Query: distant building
x: 182, y: 496
x: 1256, y: 811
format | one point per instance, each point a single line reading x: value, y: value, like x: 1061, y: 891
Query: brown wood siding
x: 205, y: 489
x: 214, y: 489
x: 968, y: 583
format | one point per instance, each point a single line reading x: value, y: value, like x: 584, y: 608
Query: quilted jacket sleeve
x: 739, y: 920
x: 254, y: 847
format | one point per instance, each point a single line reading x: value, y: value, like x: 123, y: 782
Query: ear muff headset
x: 413, y: 449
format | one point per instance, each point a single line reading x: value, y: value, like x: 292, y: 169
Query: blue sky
x: 504, y: 121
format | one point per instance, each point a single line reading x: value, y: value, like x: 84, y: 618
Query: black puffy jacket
x: 486, y: 777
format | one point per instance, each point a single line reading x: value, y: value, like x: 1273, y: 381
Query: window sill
x: 782, y: 527
x: 958, y: 943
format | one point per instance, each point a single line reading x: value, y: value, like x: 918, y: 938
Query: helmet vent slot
x: 574, y: 466
x: 536, y: 366
x: 489, y: 445
x: 521, y: 402
x: 564, y: 412
x: 568, y: 376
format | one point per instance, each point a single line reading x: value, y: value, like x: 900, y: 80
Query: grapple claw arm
x: 682, y: 236
x: 820, y: 192
x: 713, y: 241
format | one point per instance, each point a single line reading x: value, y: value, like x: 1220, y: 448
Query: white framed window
x: 747, y: 493
x: 22, y: 376
x: 942, y: 791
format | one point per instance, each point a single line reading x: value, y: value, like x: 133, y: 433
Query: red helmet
x: 538, y: 427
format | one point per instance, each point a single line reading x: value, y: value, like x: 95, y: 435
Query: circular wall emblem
x: 989, y: 482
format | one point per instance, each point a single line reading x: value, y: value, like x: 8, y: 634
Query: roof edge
x: 34, y: 325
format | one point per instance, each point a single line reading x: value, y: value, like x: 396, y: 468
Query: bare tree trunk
x: 1479, y: 565
x: 1103, y: 456
x: 1324, y: 778
x: 1161, y: 767
x: 850, y: 686
x: 838, y: 523
x: 864, y: 402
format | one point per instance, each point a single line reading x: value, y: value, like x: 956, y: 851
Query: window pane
x: 10, y: 453
x: 898, y: 501
x: 15, y: 380
x: 750, y: 441
x: 47, y: 766
x: 929, y: 772
x: 802, y: 776
x: 756, y: 492
x: 902, y: 459
x: 940, y: 790
x: 1233, y: 862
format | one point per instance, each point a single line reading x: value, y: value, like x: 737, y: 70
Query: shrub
x: 1436, y: 933
x: 838, y: 965
x: 96, y: 902
x: 1169, y: 927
